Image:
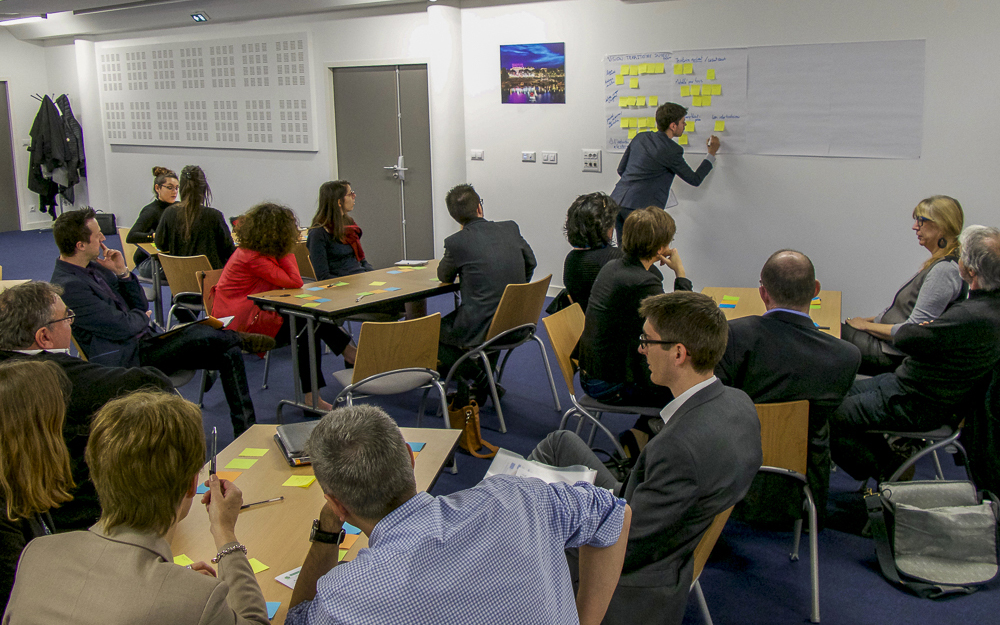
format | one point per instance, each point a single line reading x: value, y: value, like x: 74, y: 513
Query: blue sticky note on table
x: 202, y: 489
x: 392, y: 288
x: 321, y: 300
x: 272, y: 608
x: 417, y: 446
x: 727, y: 306
x: 394, y: 271
x: 350, y: 529
x: 315, y: 288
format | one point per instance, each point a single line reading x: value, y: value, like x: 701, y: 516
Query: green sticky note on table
x: 730, y: 298
x: 257, y: 565
x: 253, y: 451
x: 311, y: 305
x: 341, y: 555
x: 241, y: 463
x: 815, y: 306
x: 654, y: 100
x: 619, y: 79
x: 363, y: 293
x: 302, y: 481
x: 710, y: 74
x: 685, y: 91
x: 720, y: 126
x: 688, y: 126
x: 633, y: 83
x: 183, y: 560
x: 303, y: 296
x: 689, y: 68
x: 340, y: 284
x: 678, y: 68
x: 377, y: 283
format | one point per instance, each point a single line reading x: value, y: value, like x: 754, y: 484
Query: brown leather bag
x: 466, y: 418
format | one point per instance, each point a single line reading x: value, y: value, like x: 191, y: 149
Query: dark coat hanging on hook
x: 48, y: 149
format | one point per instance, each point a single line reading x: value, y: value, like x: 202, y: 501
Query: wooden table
x: 277, y: 533
x: 338, y: 298
x: 825, y: 310
x: 6, y: 284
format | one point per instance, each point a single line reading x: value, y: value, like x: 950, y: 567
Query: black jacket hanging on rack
x: 56, y: 144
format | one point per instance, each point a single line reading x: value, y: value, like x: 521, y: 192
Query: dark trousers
x: 332, y: 335
x: 874, y: 360
x: 620, y: 222
x: 202, y: 347
x: 471, y: 371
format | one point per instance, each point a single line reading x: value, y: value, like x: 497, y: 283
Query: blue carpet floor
x: 749, y: 578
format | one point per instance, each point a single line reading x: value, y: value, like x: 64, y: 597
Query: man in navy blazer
x: 701, y: 463
x: 782, y: 356
x: 651, y: 161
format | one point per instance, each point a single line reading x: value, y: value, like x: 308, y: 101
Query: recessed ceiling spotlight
x: 199, y: 17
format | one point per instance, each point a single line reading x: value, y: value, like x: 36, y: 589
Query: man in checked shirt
x: 494, y: 553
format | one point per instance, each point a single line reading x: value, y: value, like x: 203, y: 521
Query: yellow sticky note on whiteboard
x: 625, y: 70
x: 696, y: 101
x: 710, y: 74
x: 716, y: 89
x: 642, y: 122
x: 624, y: 122
x: 651, y: 122
x: 633, y: 122
x: 631, y: 100
x: 678, y: 68
x: 659, y: 68
x: 720, y: 126
x: 706, y: 100
x: 688, y: 126
x: 631, y: 133
x: 634, y: 70
x: 643, y: 68
x: 654, y: 100
x: 640, y: 100
x: 633, y: 83
x: 689, y: 68
x: 619, y: 79
x: 622, y: 102
x: 695, y: 89
x: 683, y: 140
x: 685, y: 91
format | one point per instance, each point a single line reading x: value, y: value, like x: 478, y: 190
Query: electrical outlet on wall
x: 592, y: 160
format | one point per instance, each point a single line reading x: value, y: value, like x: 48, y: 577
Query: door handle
x: 397, y: 169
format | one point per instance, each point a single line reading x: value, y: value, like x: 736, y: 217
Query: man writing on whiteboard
x: 652, y: 160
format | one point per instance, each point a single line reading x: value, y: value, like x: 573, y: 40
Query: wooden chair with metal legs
x: 784, y: 434
x: 701, y: 554
x: 305, y: 263
x: 944, y: 437
x: 564, y: 329
x: 181, y: 273
x: 395, y: 357
x: 514, y: 323
x: 128, y: 251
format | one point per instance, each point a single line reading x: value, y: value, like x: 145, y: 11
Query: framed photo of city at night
x: 533, y: 73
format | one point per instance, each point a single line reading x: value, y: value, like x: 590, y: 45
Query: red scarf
x: 352, y: 237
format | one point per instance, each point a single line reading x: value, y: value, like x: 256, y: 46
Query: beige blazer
x: 127, y: 577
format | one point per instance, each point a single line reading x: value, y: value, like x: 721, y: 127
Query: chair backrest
x: 305, y: 263
x: 708, y: 540
x: 784, y: 434
x: 180, y: 272
x: 76, y: 346
x: 207, y: 280
x: 1, y: 272
x: 521, y: 304
x: 128, y: 249
x: 565, y: 329
x: 397, y: 345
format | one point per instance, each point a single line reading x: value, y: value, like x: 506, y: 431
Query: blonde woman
x: 34, y: 462
x: 937, y: 222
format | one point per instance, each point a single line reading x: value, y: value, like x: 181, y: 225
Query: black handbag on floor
x: 934, y: 538
x: 107, y: 222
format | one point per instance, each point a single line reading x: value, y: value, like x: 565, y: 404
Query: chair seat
x: 400, y: 382
x: 589, y: 403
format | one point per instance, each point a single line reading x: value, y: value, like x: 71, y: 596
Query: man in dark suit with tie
x: 651, y: 161
x: 487, y: 256
x: 701, y: 463
x: 782, y: 356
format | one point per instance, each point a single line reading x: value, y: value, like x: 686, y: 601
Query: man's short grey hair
x: 23, y: 310
x: 981, y: 254
x: 361, y: 460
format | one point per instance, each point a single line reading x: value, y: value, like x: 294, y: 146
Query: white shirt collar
x: 32, y: 352
x: 676, y: 403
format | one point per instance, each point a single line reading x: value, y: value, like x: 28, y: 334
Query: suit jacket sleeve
x: 529, y: 258
x: 623, y: 164
x: 674, y: 160
x: 954, y: 327
x: 728, y: 368
x: 100, y: 316
x: 448, y: 270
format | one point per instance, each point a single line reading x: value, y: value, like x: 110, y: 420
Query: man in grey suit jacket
x: 651, y: 161
x: 698, y: 465
x: 487, y: 256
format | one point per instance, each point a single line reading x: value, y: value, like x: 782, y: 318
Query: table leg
x: 416, y: 309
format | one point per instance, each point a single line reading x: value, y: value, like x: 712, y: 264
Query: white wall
x: 850, y: 215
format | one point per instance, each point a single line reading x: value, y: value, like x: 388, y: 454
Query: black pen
x: 257, y: 503
x: 215, y: 450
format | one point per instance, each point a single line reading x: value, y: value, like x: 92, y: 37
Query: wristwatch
x: 319, y: 536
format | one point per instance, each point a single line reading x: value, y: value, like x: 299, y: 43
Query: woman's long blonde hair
x: 947, y: 213
x: 34, y: 461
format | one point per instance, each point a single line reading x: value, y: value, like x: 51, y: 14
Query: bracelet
x: 228, y: 550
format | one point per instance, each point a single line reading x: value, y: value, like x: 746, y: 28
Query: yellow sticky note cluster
x: 683, y: 139
x: 720, y: 126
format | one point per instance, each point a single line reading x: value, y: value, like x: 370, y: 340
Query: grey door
x: 382, y: 114
x: 10, y: 218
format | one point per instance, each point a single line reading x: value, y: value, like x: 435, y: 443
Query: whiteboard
x: 834, y: 100
x: 243, y: 92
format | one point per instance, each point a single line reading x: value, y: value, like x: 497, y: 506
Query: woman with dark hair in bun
x: 165, y: 188
x: 190, y: 227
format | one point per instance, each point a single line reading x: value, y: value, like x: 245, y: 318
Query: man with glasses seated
x: 700, y: 463
x: 35, y: 324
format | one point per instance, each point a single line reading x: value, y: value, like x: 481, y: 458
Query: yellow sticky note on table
x: 695, y: 89
x: 659, y: 68
x: 654, y: 100
x: 685, y: 91
x: 183, y: 560
x: 622, y: 102
x: 257, y: 565
x: 678, y: 68
x: 377, y: 283
x: 302, y: 481
x: 642, y: 122
x: 689, y: 68
x: 633, y: 83
x: 688, y: 126
x: 696, y: 101
x: 634, y: 70
x: 640, y: 100
x: 619, y: 79
x: 720, y: 126
x: 710, y: 74
x: 716, y: 89
x: 706, y: 100
x: 253, y: 451
x: 241, y: 463
x: 631, y: 133
x: 683, y: 140
x: 625, y: 70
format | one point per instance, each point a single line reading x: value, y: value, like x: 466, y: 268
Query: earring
x: 942, y: 242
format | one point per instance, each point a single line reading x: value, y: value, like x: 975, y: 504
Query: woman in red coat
x: 264, y: 262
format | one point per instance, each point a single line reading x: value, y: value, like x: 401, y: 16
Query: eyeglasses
x: 645, y: 341
x: 169, y: 187
x: 921, y: 221
x: 353, y: 194
x: 70, y: 315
